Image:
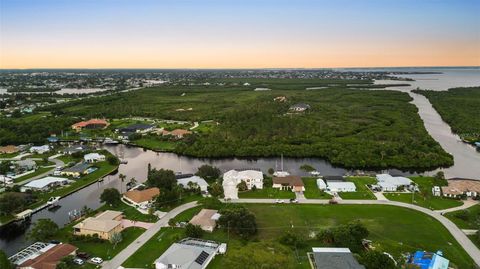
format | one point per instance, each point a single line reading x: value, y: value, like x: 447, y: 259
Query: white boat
x: 53, y: 200
x: 315, y: 173
x: 110, y: 141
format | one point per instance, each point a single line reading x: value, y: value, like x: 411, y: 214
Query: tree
x: 271, y: 171
x: 122, y: 177
x: 307, y: 168
x: 112, y: 160
x: 5, y: 167
x: 167, y: 197
x: 216, y: 190
x: 375, y: 259
x: 162, y: 179
x: 349, y: 235
x: 208, y: 172
x: 239, y: 220
x: 66, y: 263
x: 110, y: 196
x: 194, y: 231
x: 264, y: 255
x: 115, y: 239
x: 4, y: 262
x: 172, y: 223
x: 242, y: 186
x: 11, y: 202
x: 43, y: 230
x: 292, y: 240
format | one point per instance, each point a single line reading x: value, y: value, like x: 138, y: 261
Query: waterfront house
x: 90, y: 124
x: 292, y: 183
x: 232, y: 178
x: 177, y: 133
x: 201, y: 183
x: 458, y: 187
x: 341, y: 186
x: 4, y: 180
x: 74, y: 149
x: 93, y: 157
x: 26, y: 165
x: 206, y: 219
x: 48, y: 257
x: 389, y: 183
x: 137, y: 128
x: 189, y: 253
x: 40, y: 149
x: 77, y: 170
x: 8, y: 149
x: 333, y: 258
x: 45, y: 184
x: 139, y: 197
x: 105, y: 225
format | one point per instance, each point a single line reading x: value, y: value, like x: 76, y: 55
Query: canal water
x: 467, y: 160
x: 466, y: 157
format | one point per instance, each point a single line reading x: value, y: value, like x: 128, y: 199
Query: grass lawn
x: 434, y: 203
x: 425, y: 198
x: 391, y: 229
x: 130, y: 212
x: 475, y: 239
x: 105, y: 249
x: 267, y: 193
x: 363, y: 192
x: 154, y: 144
x: 312, y: 191
x: 466, y: 219
x: 68, y: 159
x: 37, y: 172
x: 185, y: 199
x: 6, y: 218
x: 153, y: 248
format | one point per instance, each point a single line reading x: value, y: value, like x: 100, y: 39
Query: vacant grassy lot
x: 351, y: 128
x: 392, y: 229
x: 270, y: 193
x: 363, y: 192
x: 312, y: 191
x: 130, y: 212
x: 425, y: 198
x: 459, y: 108
x: 466, y: 219
x: 155, y: 143
x: 37, y: 172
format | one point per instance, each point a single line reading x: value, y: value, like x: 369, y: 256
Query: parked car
x: 96, y: 260
x: 78, y: 261
x: 279, y: 201
x: 293, y: 200
x: 83, y: 255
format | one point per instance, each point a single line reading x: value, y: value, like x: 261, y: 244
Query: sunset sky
x: 238, y: 34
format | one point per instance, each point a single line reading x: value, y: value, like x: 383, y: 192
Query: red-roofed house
x: 50, y: 258
x: 90, y: 124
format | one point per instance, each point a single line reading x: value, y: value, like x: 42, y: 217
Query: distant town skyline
x: 238, y: 34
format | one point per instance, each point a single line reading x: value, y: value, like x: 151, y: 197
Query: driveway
x: 143, y: 238
x: 129, y: 223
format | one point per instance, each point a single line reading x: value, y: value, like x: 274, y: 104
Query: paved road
x: 142, y: 239
x: 458, y: 234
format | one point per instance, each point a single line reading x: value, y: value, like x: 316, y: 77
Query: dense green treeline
x: 460, y: 108
x: 348, y: 127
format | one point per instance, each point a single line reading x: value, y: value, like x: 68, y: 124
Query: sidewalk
x: 466, y: 204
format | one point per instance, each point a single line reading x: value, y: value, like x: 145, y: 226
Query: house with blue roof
x: 429, y: 260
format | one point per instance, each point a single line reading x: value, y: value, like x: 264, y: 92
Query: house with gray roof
x: 333, y: 258
x: 189, y: 253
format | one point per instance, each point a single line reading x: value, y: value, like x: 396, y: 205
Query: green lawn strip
x: 267, y: 193
x: 66, y: 159
x: 37, y: 172
x: 6, y: 218
x: 130, y: 212
x: 363, y: 192
x: 475, y: 239
x: 187, y: 215
x: 153, y: 248
x: 467, y: 218
x: 312, y: 191
x: 393, y: 229
x: 183, y: 200
x: 155, y: 144
x: 434, y: 203
x: 8, y: 155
